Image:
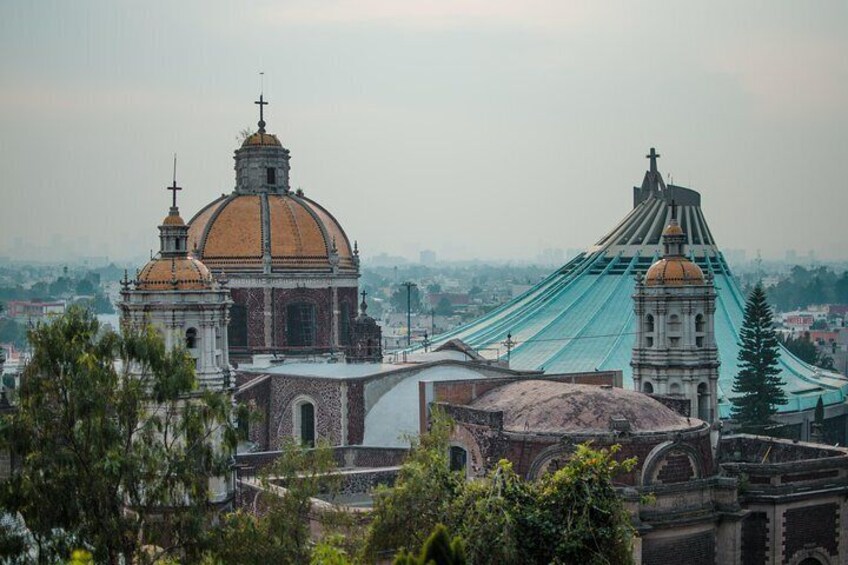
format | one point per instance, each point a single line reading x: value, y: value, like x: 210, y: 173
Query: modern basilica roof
x: 580, y: 318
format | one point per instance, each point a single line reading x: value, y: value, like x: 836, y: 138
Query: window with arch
x: 304, y: 422
x: 649, y: 329
x: 647, y: 388
x: 191, y: 338
x: 674, y: 388
x: 700, y: 324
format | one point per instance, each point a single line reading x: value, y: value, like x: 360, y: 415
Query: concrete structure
x: 292, y: 271
x: 675, y: 351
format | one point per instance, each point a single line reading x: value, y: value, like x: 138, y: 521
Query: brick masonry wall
x: 253, y: 301
x: 257, y: 399
x: 355, y: 412
x: 320, y: 297
x: 676, y: 468
x: 811, y: 527
x: 327, y: 396
x: 755, y: 539
x: 697, y: 549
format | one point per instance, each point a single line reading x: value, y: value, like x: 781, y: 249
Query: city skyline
x: 489, y: 132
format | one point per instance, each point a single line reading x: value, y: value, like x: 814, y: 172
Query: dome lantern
x: 262, y: 163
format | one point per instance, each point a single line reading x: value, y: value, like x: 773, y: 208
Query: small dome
x: 260, y: 138
x: 541, y: 406
x: 673, y: 229
x: 674, y: 271
x: 173, y: 220
x: 174, y: 273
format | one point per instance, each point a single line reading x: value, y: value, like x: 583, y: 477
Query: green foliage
x: 404, y: 515
x: 571, y: 516
x: 104, y: 450
x: 809, y: 286
x: 439, y: 549
x: 280, y: 534
x: 758, y: 384
x: 12, y: 332
x: 399, y: 299
x: 444, y: 307
x: 807, y: 351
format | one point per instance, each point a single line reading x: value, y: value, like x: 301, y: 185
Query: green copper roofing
x: 580, y: 318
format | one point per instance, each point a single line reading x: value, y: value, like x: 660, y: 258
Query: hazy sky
x: 488, y: 128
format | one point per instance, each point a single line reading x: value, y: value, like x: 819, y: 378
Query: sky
x: 481, y: 129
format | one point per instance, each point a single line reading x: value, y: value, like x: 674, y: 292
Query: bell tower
x: 675, y: 352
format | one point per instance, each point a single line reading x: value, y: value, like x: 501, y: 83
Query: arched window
x: 304, y: 417
x: 458, y: 458
x: 704, y: 402
x: 674, y: 388
x: 647, y: 388
x: 649, y: 323
x: 700, y: 325
x: 191, y: 338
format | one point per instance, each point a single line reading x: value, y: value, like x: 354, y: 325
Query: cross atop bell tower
x: 174, y: 188
x: 261, y: 102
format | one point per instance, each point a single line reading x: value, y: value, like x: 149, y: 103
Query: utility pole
x: 409, y: 286
x: 509, y: 344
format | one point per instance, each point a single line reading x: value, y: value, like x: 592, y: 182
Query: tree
x: 571, y: 516
x: 444, y: 307
x: 280, y: 534
x: 807, y: 351
x: 398, y: 300
x: 405, y: 515
x: 758, y: 384
x: 439, y: 549
x: 113, y: 460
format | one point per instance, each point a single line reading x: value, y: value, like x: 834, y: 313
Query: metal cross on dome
x: 262, y: 103
x: 174, y: 188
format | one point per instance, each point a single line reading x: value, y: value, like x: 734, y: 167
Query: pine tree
x: 758, y: 386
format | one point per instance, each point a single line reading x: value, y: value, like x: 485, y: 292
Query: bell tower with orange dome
x: 177, y: 294
x: 675, y: 351
x: 292, y: 271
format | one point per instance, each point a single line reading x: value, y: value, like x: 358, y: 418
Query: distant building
x: 34, y: 311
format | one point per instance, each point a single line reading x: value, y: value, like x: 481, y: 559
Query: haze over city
x: 485, y: 130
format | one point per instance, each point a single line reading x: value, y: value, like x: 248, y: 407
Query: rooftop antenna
x: 174, y: 188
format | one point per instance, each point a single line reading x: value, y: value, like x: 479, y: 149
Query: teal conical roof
x: 580, y: 318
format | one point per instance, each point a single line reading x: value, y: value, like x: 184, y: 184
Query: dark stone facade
x: 811, y: 526
x: 696, y: 549
x: 253, y: 302
x: 755, y: 528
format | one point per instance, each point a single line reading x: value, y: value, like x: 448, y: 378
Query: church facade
x: 291, y: 269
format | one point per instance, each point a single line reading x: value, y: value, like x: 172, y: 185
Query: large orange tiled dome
x: 234, y: 232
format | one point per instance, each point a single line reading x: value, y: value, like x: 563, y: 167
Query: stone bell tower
x: 675, y: 352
